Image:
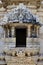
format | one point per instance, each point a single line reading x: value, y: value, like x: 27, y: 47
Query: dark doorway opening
x: 21, y: 37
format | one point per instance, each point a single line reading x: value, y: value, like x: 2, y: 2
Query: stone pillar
x: 13, y: 31
x: 38, y: 31
x: 6, y: 32
x: 10, y: 32
x: 1, y: 32
x: 28, y: 36
x: 13, y: 36
x: 35, y: 31
x: 28, y: 32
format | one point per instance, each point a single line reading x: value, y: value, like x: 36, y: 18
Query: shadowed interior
x: 20, y: 37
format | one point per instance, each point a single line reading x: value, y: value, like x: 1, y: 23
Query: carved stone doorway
x: 21, y: 37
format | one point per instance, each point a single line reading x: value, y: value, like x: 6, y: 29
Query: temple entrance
x: 21, y: 37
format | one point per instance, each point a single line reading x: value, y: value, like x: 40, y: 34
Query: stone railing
x: 28, y: 40
x: 31, y: 43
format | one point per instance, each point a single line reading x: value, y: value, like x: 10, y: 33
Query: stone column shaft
x: 13, y: 32
x: 28, y: 32
x: 6, y: 32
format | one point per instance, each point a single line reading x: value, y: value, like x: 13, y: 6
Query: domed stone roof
x: 20, y: 14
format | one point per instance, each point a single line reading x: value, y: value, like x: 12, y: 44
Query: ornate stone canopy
x: 20, y: 14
